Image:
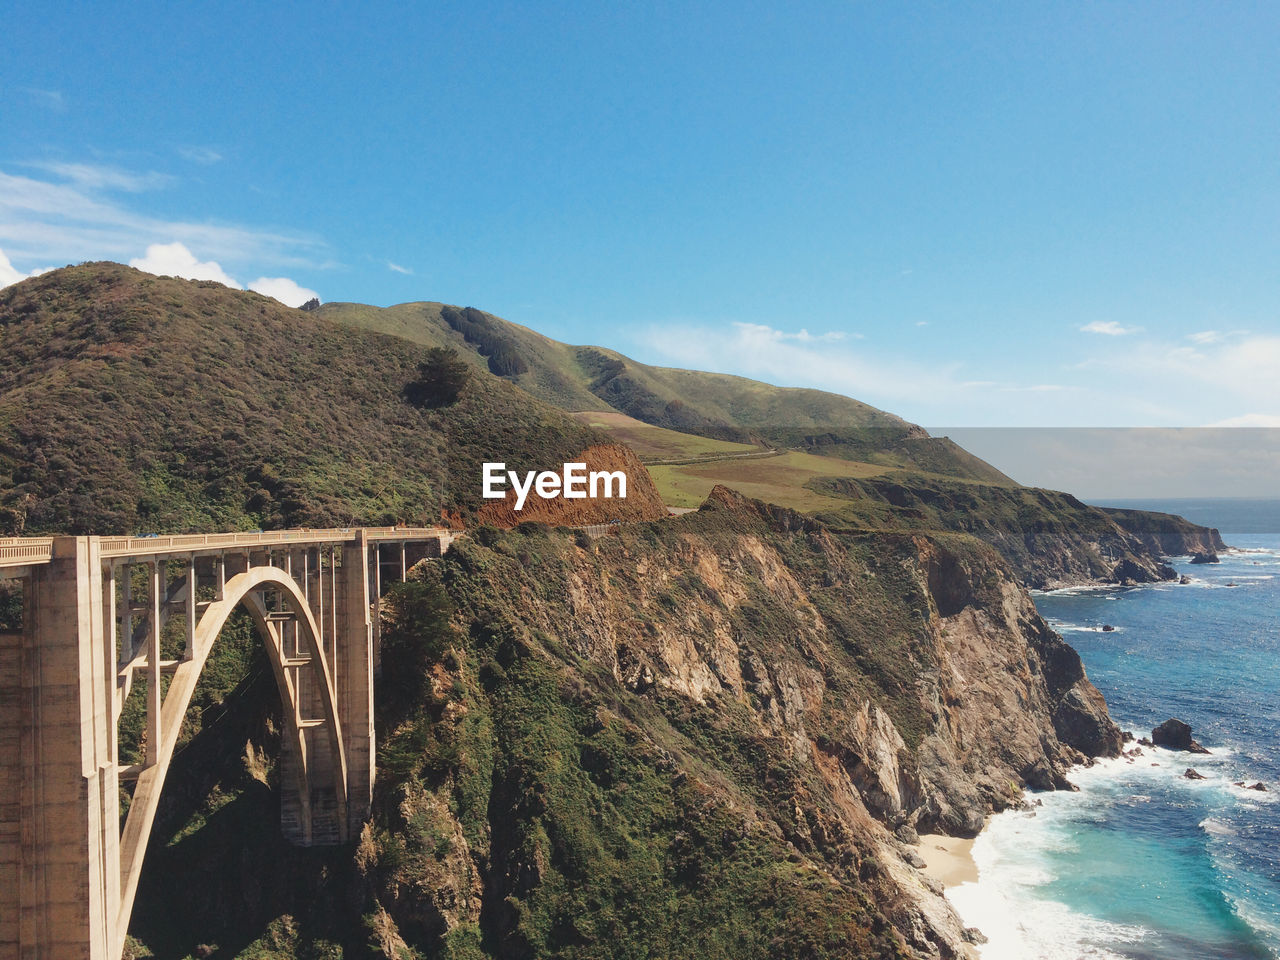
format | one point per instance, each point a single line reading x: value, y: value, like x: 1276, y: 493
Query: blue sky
x: 994, y: 214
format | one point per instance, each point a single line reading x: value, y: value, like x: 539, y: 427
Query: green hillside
x: 135, y: 403
x: 714, y: 405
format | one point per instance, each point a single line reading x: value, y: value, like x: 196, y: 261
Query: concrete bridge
x: 100, y: 614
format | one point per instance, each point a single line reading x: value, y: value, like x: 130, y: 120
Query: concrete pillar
x: 353, y: 658
x: 11, y: 701
x: 69, y: 883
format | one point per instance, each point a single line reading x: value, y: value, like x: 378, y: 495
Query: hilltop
x: 136, y: 403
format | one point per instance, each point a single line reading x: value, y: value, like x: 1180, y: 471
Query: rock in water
x: 1108, y: 628
x: 1205, y: 558
x: 1173, y: 734
x: 1193, y: 774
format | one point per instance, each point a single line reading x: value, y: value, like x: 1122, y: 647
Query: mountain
x: 135, y: 403
x: 714, y: 405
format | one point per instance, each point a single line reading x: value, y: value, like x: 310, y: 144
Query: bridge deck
x: 30, y: 551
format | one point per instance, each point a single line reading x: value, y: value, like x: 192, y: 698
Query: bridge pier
x: 67, y: 895
x: 354, y: 663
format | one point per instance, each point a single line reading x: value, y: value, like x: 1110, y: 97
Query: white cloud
x: 803, y: 336
x: 284, y: 290
x: 1250, y: 420
x: 45, y: 220
x: 1108, y: 327
x: 1210, y: 381
x: 396, y: 268
x: 1205, y: 336
x: 9, y: 274
x: 92, y: 176
x: 175, y: 260
x: 917, y: 389
x: 205, y: 156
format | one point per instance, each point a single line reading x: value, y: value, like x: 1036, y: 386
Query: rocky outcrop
x: 1205, y: 558
x: 1078, y: 710
x: 1130, y: 571
x: 1166, y: 534
x: 1173, y: 734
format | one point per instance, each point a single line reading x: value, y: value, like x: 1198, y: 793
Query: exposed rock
x: 974, y: 935
x: 1039, y: 776
x: 1184, y: 579
x: 1257, y: 786
x: 1205, y: 558
x: 1128, y: 571
x: 907, y: 834
x: 1145, y: 742
x: 1108, y: 628
x: 1193, y: 774
x: 1079, y: 712
x: 1173, y: 734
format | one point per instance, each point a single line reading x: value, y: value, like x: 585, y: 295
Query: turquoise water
x: 1143, y: 862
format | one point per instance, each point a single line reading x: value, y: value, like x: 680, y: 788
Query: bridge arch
x: 306, y: 684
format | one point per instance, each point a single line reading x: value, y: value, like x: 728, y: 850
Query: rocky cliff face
x: 1167, y: 534
x: 1050, y: 539
x: 811, y: 693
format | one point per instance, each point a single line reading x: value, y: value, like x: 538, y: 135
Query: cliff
x: 709, y: 736
x: 1167, y: 534
x: 1051, y: 539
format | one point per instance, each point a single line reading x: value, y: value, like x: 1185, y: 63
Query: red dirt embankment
x: 642, y: 501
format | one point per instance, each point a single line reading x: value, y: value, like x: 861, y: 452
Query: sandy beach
x: 949, y: 860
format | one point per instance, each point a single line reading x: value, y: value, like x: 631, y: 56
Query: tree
x: 441, y: 378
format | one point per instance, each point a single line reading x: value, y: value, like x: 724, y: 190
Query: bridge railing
x: 23, y: 551
x: 20, y: 551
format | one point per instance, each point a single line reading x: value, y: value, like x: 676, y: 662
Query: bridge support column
x: 11, y: 700
x: 68, y: 888
x: 353, y: 657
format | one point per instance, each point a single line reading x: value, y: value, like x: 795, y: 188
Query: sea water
x: 1143, y: 862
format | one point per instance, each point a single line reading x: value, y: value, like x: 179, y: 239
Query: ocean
x: 1143, y: 862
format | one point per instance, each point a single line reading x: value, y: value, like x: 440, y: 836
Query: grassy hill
x: 710, y: 405
x: 135, y: 403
